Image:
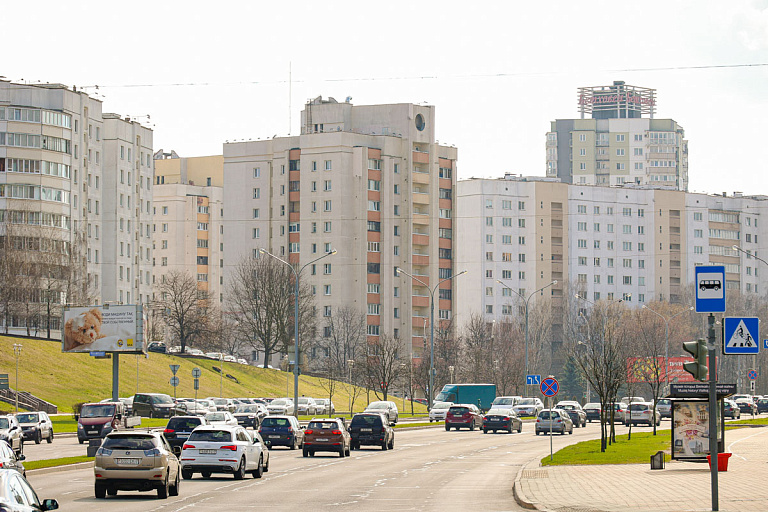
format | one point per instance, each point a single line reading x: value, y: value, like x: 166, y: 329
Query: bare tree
x: 383, y: 363
x: 477, y: 342
x: 651, y: 368
x: 509, y: 356
x: 261, y: 302
x: 185, y: 306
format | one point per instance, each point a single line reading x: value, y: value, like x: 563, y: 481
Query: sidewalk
x: 681, y: 486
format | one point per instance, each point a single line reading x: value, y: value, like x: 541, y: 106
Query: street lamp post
x: 221, y: 375
x: 610, y: 303
x: 589, y: 339
x: 749, y: 255
x: 17, y: 352
x: 525, y: 301
x: 666, y: 335
x: 450, y: 369
x: 350, y: 364
x: 296, y: 274
x: 431, y: 326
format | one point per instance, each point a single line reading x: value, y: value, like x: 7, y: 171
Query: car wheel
x: 485, y: 431
x: 39, y: 437
x: 305, y: 452
x: 174, y: 489
x: 162, y: 491
x: 392, y: 443
x: 311, y: 453
x: 240, y: 471
x: 383, y: 445
x: 577, y: 424
x: 348, y: 452
x: 100, y: 491
x: 570, y: 432
x: 81, y: 441
x: 472, y: 426
x: 520, y: 428
x: 537, y: 432
x: 186, y: 474
x: 49, y: 440
x: 447, y: 429
x: 431, y: 420
x: 206, y: 474
x: 259, y: 471
x: 341, y: 451
x: 111, y: 491
x: 294, y: 444
x: 150, y: 414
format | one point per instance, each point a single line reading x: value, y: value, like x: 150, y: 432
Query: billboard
x: 690, y: 430
x: 103, y: 329
x: 643, y: 369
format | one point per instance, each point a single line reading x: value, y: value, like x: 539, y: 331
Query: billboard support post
x: 713, y: 448
x: 115, y: 376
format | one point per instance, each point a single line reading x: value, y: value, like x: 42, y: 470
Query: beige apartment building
x: 188, y: 228
x: 370, y: 182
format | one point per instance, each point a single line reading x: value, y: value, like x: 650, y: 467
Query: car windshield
x: 161, y: 399
x: 321, y: 401
x: 501, y: 412
x: 377, y: 405
x: 323, y: 425
x: 216, y: 416
x: 211, y: 436
x: 275, y: 422
x: 441, y: 406
x: 504, y: 401
x: 366, y: 420
x: 97, y: 411
x: 186, y: 424
x: 27, y: 418
x: 248, y: 408
x: 663, y: 402
x: 129, y: 442
x: 4, y: 423
x: 638, y: 407
x: 303, y: 400
x: 220, y: 401
x: 592, y: 406
x: 544, y: 415
x: 279, y: 401
x: 527, y: 401
x: 567, y: 407
x: 458, y: 410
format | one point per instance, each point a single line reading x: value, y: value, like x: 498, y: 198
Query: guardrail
x: 27, y: 401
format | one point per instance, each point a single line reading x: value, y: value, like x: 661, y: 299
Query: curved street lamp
x: 431, y: 326
x: 296, y: 273
x: 666, y: 333
x: 525, y: 301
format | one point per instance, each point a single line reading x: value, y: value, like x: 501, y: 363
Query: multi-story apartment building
x: 188, y: 211
x: 370, y: 182
x: 617, y: 145
x: 61, y: 196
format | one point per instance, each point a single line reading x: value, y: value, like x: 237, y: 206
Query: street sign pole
x: 713, y: 448
x: 550, y: 430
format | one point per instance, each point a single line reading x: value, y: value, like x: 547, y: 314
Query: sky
x: 497, y: 72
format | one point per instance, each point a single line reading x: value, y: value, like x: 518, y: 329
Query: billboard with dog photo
x: 103, y: 329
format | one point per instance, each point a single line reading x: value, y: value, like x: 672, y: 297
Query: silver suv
x: 36, y: 426
x: 554, y: 420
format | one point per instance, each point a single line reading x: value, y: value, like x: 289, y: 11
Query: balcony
x: 420, y: 259
x: 420, y: 301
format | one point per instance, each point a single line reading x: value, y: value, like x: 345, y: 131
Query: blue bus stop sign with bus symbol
x: 710, y: 289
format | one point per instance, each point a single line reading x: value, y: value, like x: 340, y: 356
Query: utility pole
x: 17, y: 352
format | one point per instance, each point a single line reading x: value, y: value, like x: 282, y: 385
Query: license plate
x: 127, y: 462
x: 321, y: 440
x: 274, y: 437
x: 366, y: 430
x: 207, y: 452
x: 93, y: 431
x: 182, y: 436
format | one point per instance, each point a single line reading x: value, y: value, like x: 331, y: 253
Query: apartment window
x: 596, y: 244
x: 521, y: 257
x: 697, y: 249
x: 628, y: 280
x: 698, y: 233
x: 445, y: 213
x: 374, y: 268
x: 627, y: 246
x: 610, y: 279
x: 327, y: 205
x: 255, y: 213
x: 610, y: 228
x: 609, y: 243
x: 489, y: 291
x: 489, y: 239
x: 255, y: 233
x: 201, y: 226
x: 640, y: 263
x: 373, y: 247
x: 610, y: 262
x: 697, y: 216
x: 596, y: 262
x: 619, y: 151
x: 520, y: 223
x: 293, y: 247
x: 582, y: 261
x: 521, y: 205
x: 327, y: 227
x: 521, y: 240
x: 619, y: 137
x: 397, y: 209
x: 489, y: 256
x: 627, y: 229
x: 489, y: 203
x: 506, y: 239
x: 581, y: 226
x: 374, y: 206
x: 396, y: 230
x: 374, y: 226
x: 374, y: 185
x: 627, y: 262
x: 326, y: 310
x: 164, y: 262
x: 640, y: 230
x: 256, y: 172
x: 444, y: 254
x: 582, y: 208
x: 327, y: 269
x: 582, y: 244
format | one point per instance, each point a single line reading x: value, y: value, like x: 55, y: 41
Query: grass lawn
x: 68, y: 423
x: 638, y: 450
x: 756, y: 421
x: 49, y: 463
x: 66, y: 379
x: 417, y: 424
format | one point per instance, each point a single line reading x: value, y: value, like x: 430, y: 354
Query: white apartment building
x: 188, y: 211
x: 370, y: 182
x: 60, y: 164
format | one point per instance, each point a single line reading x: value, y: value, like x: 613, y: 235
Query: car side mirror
x: 21, y: 456
x: 49, y: 504
x: 118, y: 416
x: 77, y: 417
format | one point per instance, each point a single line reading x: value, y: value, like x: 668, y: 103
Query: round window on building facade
x: 420, y: 122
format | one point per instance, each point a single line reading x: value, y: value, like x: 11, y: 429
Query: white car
x: 323, y: 405
x: 192, y: 408
x: 220, y: 418
x: 223, y: 449
x: 505, y: 402
x: 528, y: 407
x: 195, y: 352
x: 307, y: 406
x: 385, y: 407
x: 439, y: 410
x: 281, y: 407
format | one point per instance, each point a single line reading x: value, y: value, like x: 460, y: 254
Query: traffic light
x: 697, y: 368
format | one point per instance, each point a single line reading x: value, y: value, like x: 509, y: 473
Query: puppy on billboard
x: 99, y: 329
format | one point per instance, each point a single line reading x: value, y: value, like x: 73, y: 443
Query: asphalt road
x: 429, y: 469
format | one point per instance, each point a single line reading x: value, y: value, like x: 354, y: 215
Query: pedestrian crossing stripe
x: 742, y: 337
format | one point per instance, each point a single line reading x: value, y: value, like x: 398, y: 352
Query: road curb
x: 517, y: 490
x: 59, y: 469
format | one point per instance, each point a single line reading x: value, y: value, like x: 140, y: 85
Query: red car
x: 463, y: 416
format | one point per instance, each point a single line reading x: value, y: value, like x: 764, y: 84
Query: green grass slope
x: 65, y: 379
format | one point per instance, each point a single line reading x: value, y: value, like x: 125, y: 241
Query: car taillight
x: 168, y: 431
x: 185, y: 446
x: 559, y: 421
x: 290, y: 430
x: 308, y: 431
x: 336, y: 432
x: 506, y: 418
x: 230, y: 447
x: 154, y: 452
x: 104, y: 451
x: 538, y: 420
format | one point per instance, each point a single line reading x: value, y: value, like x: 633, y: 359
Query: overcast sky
x: 497, y: 72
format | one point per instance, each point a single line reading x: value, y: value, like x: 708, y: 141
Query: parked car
x: 16, y: 495
x: 281, y: 406
x: 574, y: 410
x: 249, y: 415
x: 219, y: 418
x: 439, y: 410
x: 224, y: 449
x: 136, y: 461
x: 230, y: 359
x: 195, y: 352
x: 371, y: 429
x: 463, y: 416
x: 192, y: 407
x: 747, y: 406
x: 127, y: 402
x: 223, y: 404
x: 388, y: 408
x: 502, y: 419
x: 307, y: 406
x: 664, y: 406
x: 731, y: 409
x: 157, y: 346
x: 528, y: 407
x: 178, y: 429
x: 739, y: 396
x: 282, y: 431
x: 208, y: 404
x: 95, y: 421
x: 36, y: 426
x: 505, y: 402
x: 240, y: 360
x: 153, y: 405
x: 11, y: 433
x: 326, y: 435
x: 325, y: 406
x: 642, y: 412
x: 762, y: 405
x: 593, y: 411
x: 9, y: 459
x: 553, y: 420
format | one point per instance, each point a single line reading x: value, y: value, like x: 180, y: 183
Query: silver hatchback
x: 555, y: 421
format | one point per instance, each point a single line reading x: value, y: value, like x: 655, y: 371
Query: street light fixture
x: 666, y: 334
x: 525, y: 301
x: 17, y: 352
x: 296, y: 274
x: 431, y: 326
x: 450, y: 369
x: 749, y: 254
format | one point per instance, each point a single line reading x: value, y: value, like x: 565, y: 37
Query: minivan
x: 95, y: 421
x: 153, y: 405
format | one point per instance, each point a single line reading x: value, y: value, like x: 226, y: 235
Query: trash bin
x: 93, y: 447
x: 722, y: 461
x: 657, y: 461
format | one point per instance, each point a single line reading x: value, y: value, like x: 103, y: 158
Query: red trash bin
x: 722, y: 461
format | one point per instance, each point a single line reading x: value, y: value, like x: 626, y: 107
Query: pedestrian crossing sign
x: 741, y: 335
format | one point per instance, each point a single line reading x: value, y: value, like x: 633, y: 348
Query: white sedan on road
x: 221, y: 418
x: 223, y: 449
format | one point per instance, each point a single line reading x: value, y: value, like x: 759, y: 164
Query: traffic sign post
x: 740, y: 335
x: 533, y: 380
x: 710, y: 289
x: 4, y: 381
x: 752, y: 374
x: 549, y: 387
x: 196, y: 373
x: 174, y: 383
x: 174, y: 368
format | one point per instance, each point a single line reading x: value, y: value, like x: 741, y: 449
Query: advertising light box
x: 103, y: 329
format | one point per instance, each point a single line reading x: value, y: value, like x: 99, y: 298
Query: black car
x: 153, y: 405
x: 502, y: 419
x: 371, y: 429
x: 248, y: 415
x: 282, y: 431
x: 762, y: 405
x: 747, y: 406
x: 157, y: 346
x: 178, y: 429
